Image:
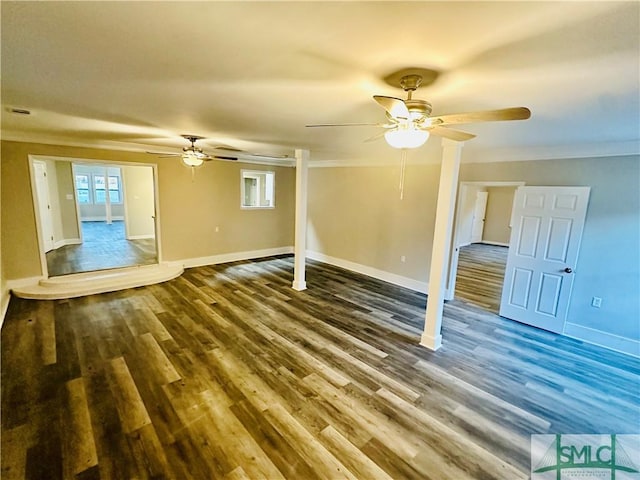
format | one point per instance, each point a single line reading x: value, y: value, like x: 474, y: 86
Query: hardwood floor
x: 104, y: 246
x: 226, y: 372
x: 480, y: 275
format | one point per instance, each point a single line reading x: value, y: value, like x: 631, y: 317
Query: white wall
x: 139, y: 201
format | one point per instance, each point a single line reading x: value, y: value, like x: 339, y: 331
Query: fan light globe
x: 191, y: 159
x: 406, y: 136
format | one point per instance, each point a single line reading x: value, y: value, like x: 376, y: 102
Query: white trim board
x: 124, y: 147
x: 497, y: 244
x: 552, y: 152
x: 140, y: 237
x: 23, y: 282
x: 90, y: 283
x: 410, y: 283
x: 231, y: 257
x: 66, y: 241
x: 115, y: 218
x: 17, y: 283
x: 602, y: 339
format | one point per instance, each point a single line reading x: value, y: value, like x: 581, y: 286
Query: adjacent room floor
x: 480, y: 275
x: 104, y: 246
x: 226, y: 372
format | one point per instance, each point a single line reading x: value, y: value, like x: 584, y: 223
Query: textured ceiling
x: 136, y: 75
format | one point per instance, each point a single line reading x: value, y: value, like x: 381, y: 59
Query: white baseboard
x: 231, y: 257
x: 498, y: 244
x: 117, y: 218
x: 399, y: 280
x: 66, y: 241
x: 432, y: 343
x: 603, y: 339
x: 140, y: 237
x: 298, y: 285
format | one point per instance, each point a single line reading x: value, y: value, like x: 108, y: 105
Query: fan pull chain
x: 193, y: 174
x: 403, y: 164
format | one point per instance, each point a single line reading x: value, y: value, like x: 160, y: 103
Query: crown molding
x: 469, y: 154
x: 127, y: 147
x: 552, y: 152
x: 500, y: 155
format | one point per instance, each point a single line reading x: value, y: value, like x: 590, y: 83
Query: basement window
x: 257, y: 189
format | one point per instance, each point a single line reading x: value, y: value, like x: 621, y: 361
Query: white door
x: 477, y: 227
x: 44, y: 205
x: 543, y: 250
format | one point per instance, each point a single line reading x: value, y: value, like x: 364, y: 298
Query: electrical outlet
x: 217, y: 229
x: 403, y: 259
x: 596, y: 302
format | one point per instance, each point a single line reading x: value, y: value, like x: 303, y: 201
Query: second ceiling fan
x: 193, y: 156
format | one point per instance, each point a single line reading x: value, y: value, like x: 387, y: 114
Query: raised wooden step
x: 89, y: 283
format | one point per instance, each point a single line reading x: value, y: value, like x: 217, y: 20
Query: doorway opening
x: 103, y: 214
x: 481, y: 243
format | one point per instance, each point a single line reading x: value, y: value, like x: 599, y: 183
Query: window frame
x: 92, y: 190
x: 246, y: 173
x: 87, y: 188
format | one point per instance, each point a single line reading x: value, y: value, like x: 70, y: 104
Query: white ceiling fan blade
x: 504, y: 114
x: 394, y: 106
x: 456, y: 135
x: 164, y: 154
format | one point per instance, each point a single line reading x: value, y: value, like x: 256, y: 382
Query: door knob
x: 568, y: 270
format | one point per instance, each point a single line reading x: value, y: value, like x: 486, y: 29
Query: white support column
x: 431, y: 337
x: 300, y: 248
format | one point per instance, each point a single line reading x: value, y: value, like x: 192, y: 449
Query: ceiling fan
x: 193, y: 156
x: 409, y: 123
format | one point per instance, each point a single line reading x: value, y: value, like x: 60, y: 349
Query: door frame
x: 35, y: 194
x: 463, y: 188
x: 35, y: 158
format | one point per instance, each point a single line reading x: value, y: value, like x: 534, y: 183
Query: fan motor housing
x: 419, y: 109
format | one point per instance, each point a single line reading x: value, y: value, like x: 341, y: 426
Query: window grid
x: 91, y: 189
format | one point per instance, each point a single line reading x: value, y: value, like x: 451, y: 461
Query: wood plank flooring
x: 480, y: 276
x: 226, y: 372
x: 104, y: 246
